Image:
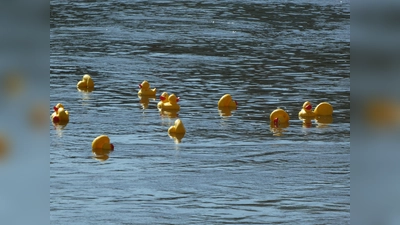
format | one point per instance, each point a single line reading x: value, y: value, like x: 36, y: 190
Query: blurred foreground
x: 375, y: 118
x: 24, y: 117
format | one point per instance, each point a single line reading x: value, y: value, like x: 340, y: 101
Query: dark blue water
x: 227, y: 169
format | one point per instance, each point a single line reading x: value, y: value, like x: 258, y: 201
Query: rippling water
x: 227, y: 169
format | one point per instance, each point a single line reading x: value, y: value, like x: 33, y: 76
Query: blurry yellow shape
x: 4, y: 147
x: 38, y: 116
x: 382, y: 113
x: 12, y: 84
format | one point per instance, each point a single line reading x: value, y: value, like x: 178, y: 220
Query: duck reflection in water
x: 169, y: 113
x: 323, y: 121
x: 307, y: 122
x: 101, y: 154
x: 278, y: 131
x: 225, y: 111
x: 145, y: 100
x: 177, y: 137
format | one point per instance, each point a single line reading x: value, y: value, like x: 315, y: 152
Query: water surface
x: 227, y: 169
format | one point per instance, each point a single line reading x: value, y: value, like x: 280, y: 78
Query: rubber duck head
x: 4, y: 147
x: 307, y: 106
x: 164, y: 97
x: 56, y: 107
x: 173, y: 99
x: 144, y: 85
x: 279, y: 118
x: 306, y: 110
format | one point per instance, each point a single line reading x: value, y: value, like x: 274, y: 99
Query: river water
x: 227, y: 169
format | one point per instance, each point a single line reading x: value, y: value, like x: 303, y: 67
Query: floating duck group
x: 279, y: 118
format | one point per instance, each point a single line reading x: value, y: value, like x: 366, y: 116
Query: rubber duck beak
x: 140, y: 85
x: 236, y: 103
x: 112, y: 147
x: 56, y: 119
x: 55, y: 109
x: 276, y: 122
x: 308, y: 107
x: 177, y: 99
x: 162, y: 98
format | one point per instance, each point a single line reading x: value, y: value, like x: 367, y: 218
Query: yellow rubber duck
x: 163, y: 99
x: 101, y: 147
x: 279, y: 118
x: 102, y: 142
x: 322, y: 109
x: 227, y: 102
x: 86, y: 83
x: 170, y: 104
x: 60, y: 115
x: 177, y: 131
x: 177, y: 128
x: 306, y: 110
x: 145, y: 89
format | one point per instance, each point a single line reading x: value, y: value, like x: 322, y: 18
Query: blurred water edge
x: 375, y: 116
x: 24, y: 94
